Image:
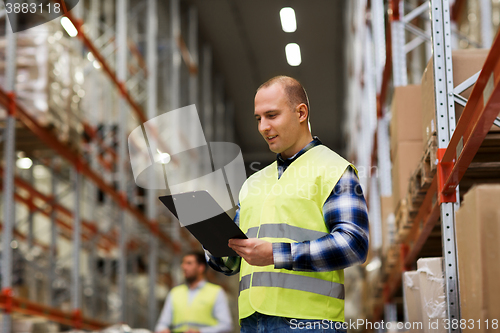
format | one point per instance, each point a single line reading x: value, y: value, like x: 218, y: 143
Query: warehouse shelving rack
x: 457, y: 145
x: 120, y: 80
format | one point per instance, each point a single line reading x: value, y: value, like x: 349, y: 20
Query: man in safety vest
x: 197, y: 305
x: 306, y: 219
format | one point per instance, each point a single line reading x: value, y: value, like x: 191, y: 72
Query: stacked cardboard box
x: 22, y: 324
x: 465, y: 64
x: 478, y: 249
x: 388, y: 224
x: 49, y: 77
x: 412, y: 303
x: 406, y: 138
x: 432, y: 296
x: 424, y: 297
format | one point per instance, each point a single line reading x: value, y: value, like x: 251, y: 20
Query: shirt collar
x: 315, y: 142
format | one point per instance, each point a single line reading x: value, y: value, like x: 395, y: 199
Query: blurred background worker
x: 197, y: 305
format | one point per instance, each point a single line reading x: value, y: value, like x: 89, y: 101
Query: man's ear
x: 303, y: 112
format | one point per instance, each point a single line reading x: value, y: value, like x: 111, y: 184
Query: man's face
x: 191, y: 269
x: 277, y: 122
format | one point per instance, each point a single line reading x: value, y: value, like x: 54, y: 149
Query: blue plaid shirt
x: 346, y: 217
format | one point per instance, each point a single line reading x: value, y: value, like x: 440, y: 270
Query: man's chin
x: 274, y: 148
x: 190, y: 280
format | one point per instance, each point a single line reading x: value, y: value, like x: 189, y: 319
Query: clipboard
x: 202, y: 216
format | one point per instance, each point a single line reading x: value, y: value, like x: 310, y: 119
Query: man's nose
x: 264, y: 126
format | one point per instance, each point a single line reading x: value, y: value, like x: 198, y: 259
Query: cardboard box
x: 465, y: 64
x: 404, y: 163
x: 388, y: 228
x: 412, y: 303
x: 406, y: 115
x: 432, y: 295
x: 478, y: 250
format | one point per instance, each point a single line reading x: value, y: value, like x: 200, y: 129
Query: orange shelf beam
x: 476, y: 120
x: 21, y: 236
x: 28, y: 202
x: 423, y: 223
x: 12, y: 304
x: 186, y: 56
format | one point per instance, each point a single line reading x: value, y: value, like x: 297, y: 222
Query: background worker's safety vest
x: 291, y: 210
x: 198, y: 313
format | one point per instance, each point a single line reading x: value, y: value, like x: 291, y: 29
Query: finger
x: 240, y: 253
x: 237, y: 246
x: 236, y: 241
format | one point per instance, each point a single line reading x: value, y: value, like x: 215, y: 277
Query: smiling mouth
x: 271, y: 138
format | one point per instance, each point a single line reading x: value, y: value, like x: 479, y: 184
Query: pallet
x: 27, y: 142
x: 484, y: 168
x: 421, y: 179
x: 404, y: 220
x: 391, y: 259
x: 428, y: 165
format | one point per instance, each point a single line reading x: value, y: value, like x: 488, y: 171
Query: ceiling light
x: 68, y: 26
x: 288, y: 22
x: 24, y: 163
x: 164, y: 158
x: 293, y: 57
x: 373, y: 265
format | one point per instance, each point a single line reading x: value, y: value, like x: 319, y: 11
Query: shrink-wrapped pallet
x: 49, y: 79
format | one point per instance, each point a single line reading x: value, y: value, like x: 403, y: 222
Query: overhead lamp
x: 69, y: 27
x: 164, y: 158
x: 373, y: 265
x: 24, y: 163
x: 292, y: 51
x: 288, y: 21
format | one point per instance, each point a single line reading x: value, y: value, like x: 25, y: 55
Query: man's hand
x: 255, y: 251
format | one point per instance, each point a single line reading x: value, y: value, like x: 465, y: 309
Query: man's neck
x: 304, y: 141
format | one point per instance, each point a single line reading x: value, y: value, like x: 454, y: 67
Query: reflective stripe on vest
x: 295, y: 282
x: 245, y: 282
x: 189, y: 324
x: 284, y: 231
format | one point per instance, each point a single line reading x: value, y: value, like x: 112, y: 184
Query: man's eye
x: 272, y: 116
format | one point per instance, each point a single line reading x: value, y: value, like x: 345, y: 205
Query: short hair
x: 294, y: 91
x: 200, y: 257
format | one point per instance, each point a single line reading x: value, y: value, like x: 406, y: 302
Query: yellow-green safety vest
x: 291, y: 210
x: 196, y: 314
